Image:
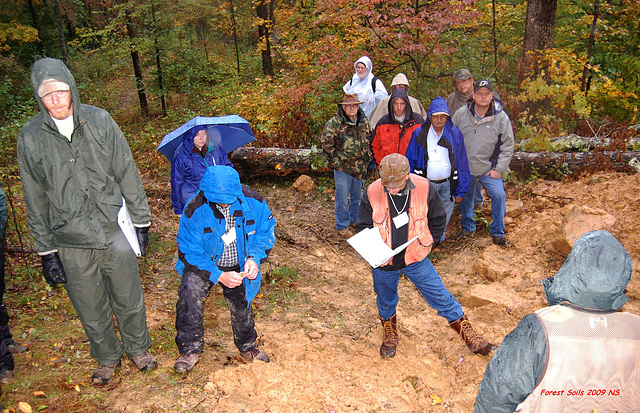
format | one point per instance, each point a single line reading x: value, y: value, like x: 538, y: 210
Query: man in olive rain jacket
x: 580, y: 354
x: 77, y: 171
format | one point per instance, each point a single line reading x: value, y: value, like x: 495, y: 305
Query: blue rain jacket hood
x: 201, y: 227
x: 221, y: 184
x: 451, y: 139
x: 188, y: 167
x: 594, y: 275
x: 438, y: 105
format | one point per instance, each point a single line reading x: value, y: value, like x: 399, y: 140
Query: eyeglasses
x: 57, y: 93
x: 439, y: 117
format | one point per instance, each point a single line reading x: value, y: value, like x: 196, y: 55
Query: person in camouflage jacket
x: 346, y: 141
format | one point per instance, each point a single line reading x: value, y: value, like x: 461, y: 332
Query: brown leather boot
x: 389, y: 338
x: 476, y: 343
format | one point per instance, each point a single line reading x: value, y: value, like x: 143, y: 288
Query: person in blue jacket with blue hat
x: 192, y: 158
x: 437, y: 152
x: 226, y: 232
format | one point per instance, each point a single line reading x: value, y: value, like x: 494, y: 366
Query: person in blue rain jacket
x: 192, y: 158
x: 226, y: 232
x: 445, y: 162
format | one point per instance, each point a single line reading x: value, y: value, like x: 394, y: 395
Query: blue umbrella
x: 229, y: 132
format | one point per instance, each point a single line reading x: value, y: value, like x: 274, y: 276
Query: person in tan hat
x: 346, y: 144
x: 400, y: 81
x: 406, y: 206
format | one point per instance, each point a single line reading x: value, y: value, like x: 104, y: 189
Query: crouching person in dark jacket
x: 581, y: 353
x: 226, y: 232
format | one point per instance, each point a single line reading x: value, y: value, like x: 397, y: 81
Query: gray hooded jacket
x: 594, y: 276
x: 74, y: 190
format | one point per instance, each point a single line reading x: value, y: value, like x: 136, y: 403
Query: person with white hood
x: 366, y: 85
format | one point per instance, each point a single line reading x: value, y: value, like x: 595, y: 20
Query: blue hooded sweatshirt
x: 451, y: 139
x: 188, y: 166
x: 202, y: 225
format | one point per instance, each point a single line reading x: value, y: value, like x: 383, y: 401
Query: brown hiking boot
x: 476, y: 343
x: 6, y: 376
x: 389, y: 337
x: 145, y: 361
x: 186, y: 362
x: 104, y: 373
x: 16, y: 348
x: 255, y: 354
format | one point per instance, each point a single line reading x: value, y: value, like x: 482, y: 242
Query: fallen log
x: 254, y: 162
x: 257, y: 162
x: 559, y: 165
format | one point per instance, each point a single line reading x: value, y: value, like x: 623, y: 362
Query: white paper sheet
x: 369, y: 244
x: 124, y: 220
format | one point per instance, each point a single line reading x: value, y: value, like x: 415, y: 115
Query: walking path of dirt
x: 322, y: 331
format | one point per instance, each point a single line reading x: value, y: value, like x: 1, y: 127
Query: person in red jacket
x: 393, y: 132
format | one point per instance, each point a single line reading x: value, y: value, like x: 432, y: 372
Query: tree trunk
x: 538, y: 34
x: 232, y: 8
x: 61, y: 39
x: 560, y: 165
x: 592, y: 41
x: 264, y: 27
x: 158, y: 63
x: 34, y: 18
x: 255, y: 162
x: 135, y: 58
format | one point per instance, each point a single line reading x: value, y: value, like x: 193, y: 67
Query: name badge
x: 229, y: 237
x: 401, y: 220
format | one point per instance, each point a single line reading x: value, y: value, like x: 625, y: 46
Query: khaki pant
x: 104, y: 283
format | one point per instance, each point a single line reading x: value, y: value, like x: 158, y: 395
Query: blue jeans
x: 444, y: 190
x: 347, y: 186
x: 495, y: 190
x: 479, y: 199
x: 426, y: 279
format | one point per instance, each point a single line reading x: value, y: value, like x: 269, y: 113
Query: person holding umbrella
x: 192, y: 158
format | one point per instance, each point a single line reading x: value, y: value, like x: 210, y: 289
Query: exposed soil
x: 321, y: 328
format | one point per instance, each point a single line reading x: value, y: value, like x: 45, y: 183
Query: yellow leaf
x: 24, y: 407
x: 435, y: 399
x: 77, y: 388
x: 39, y: 393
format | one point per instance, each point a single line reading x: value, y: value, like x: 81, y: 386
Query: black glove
x: 143, y: 239
x: 52, y: 269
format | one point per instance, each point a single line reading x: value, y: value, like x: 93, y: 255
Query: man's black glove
x: 143, y: 239
x: 52, y: 269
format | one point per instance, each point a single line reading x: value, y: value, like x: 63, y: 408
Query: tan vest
x: 418, y: 222
x: 593, y: 363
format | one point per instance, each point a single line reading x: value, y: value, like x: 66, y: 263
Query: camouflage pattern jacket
x: 347, y: 143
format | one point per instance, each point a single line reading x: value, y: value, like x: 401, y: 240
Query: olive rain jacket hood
x: 74, y: 189
x: 202, y: 225
x: 451, y: 139
x: 188, y: 167
x: 593, y: 276
x: 48, y: 68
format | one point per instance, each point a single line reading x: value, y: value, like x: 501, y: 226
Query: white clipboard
x: 126, y: 225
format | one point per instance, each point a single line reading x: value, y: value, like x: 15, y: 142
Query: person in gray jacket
x: 579, y: 354
x: 77, y: 171
x: 489, y: 141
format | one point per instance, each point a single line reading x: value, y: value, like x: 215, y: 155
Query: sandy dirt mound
x: 323, y: 334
